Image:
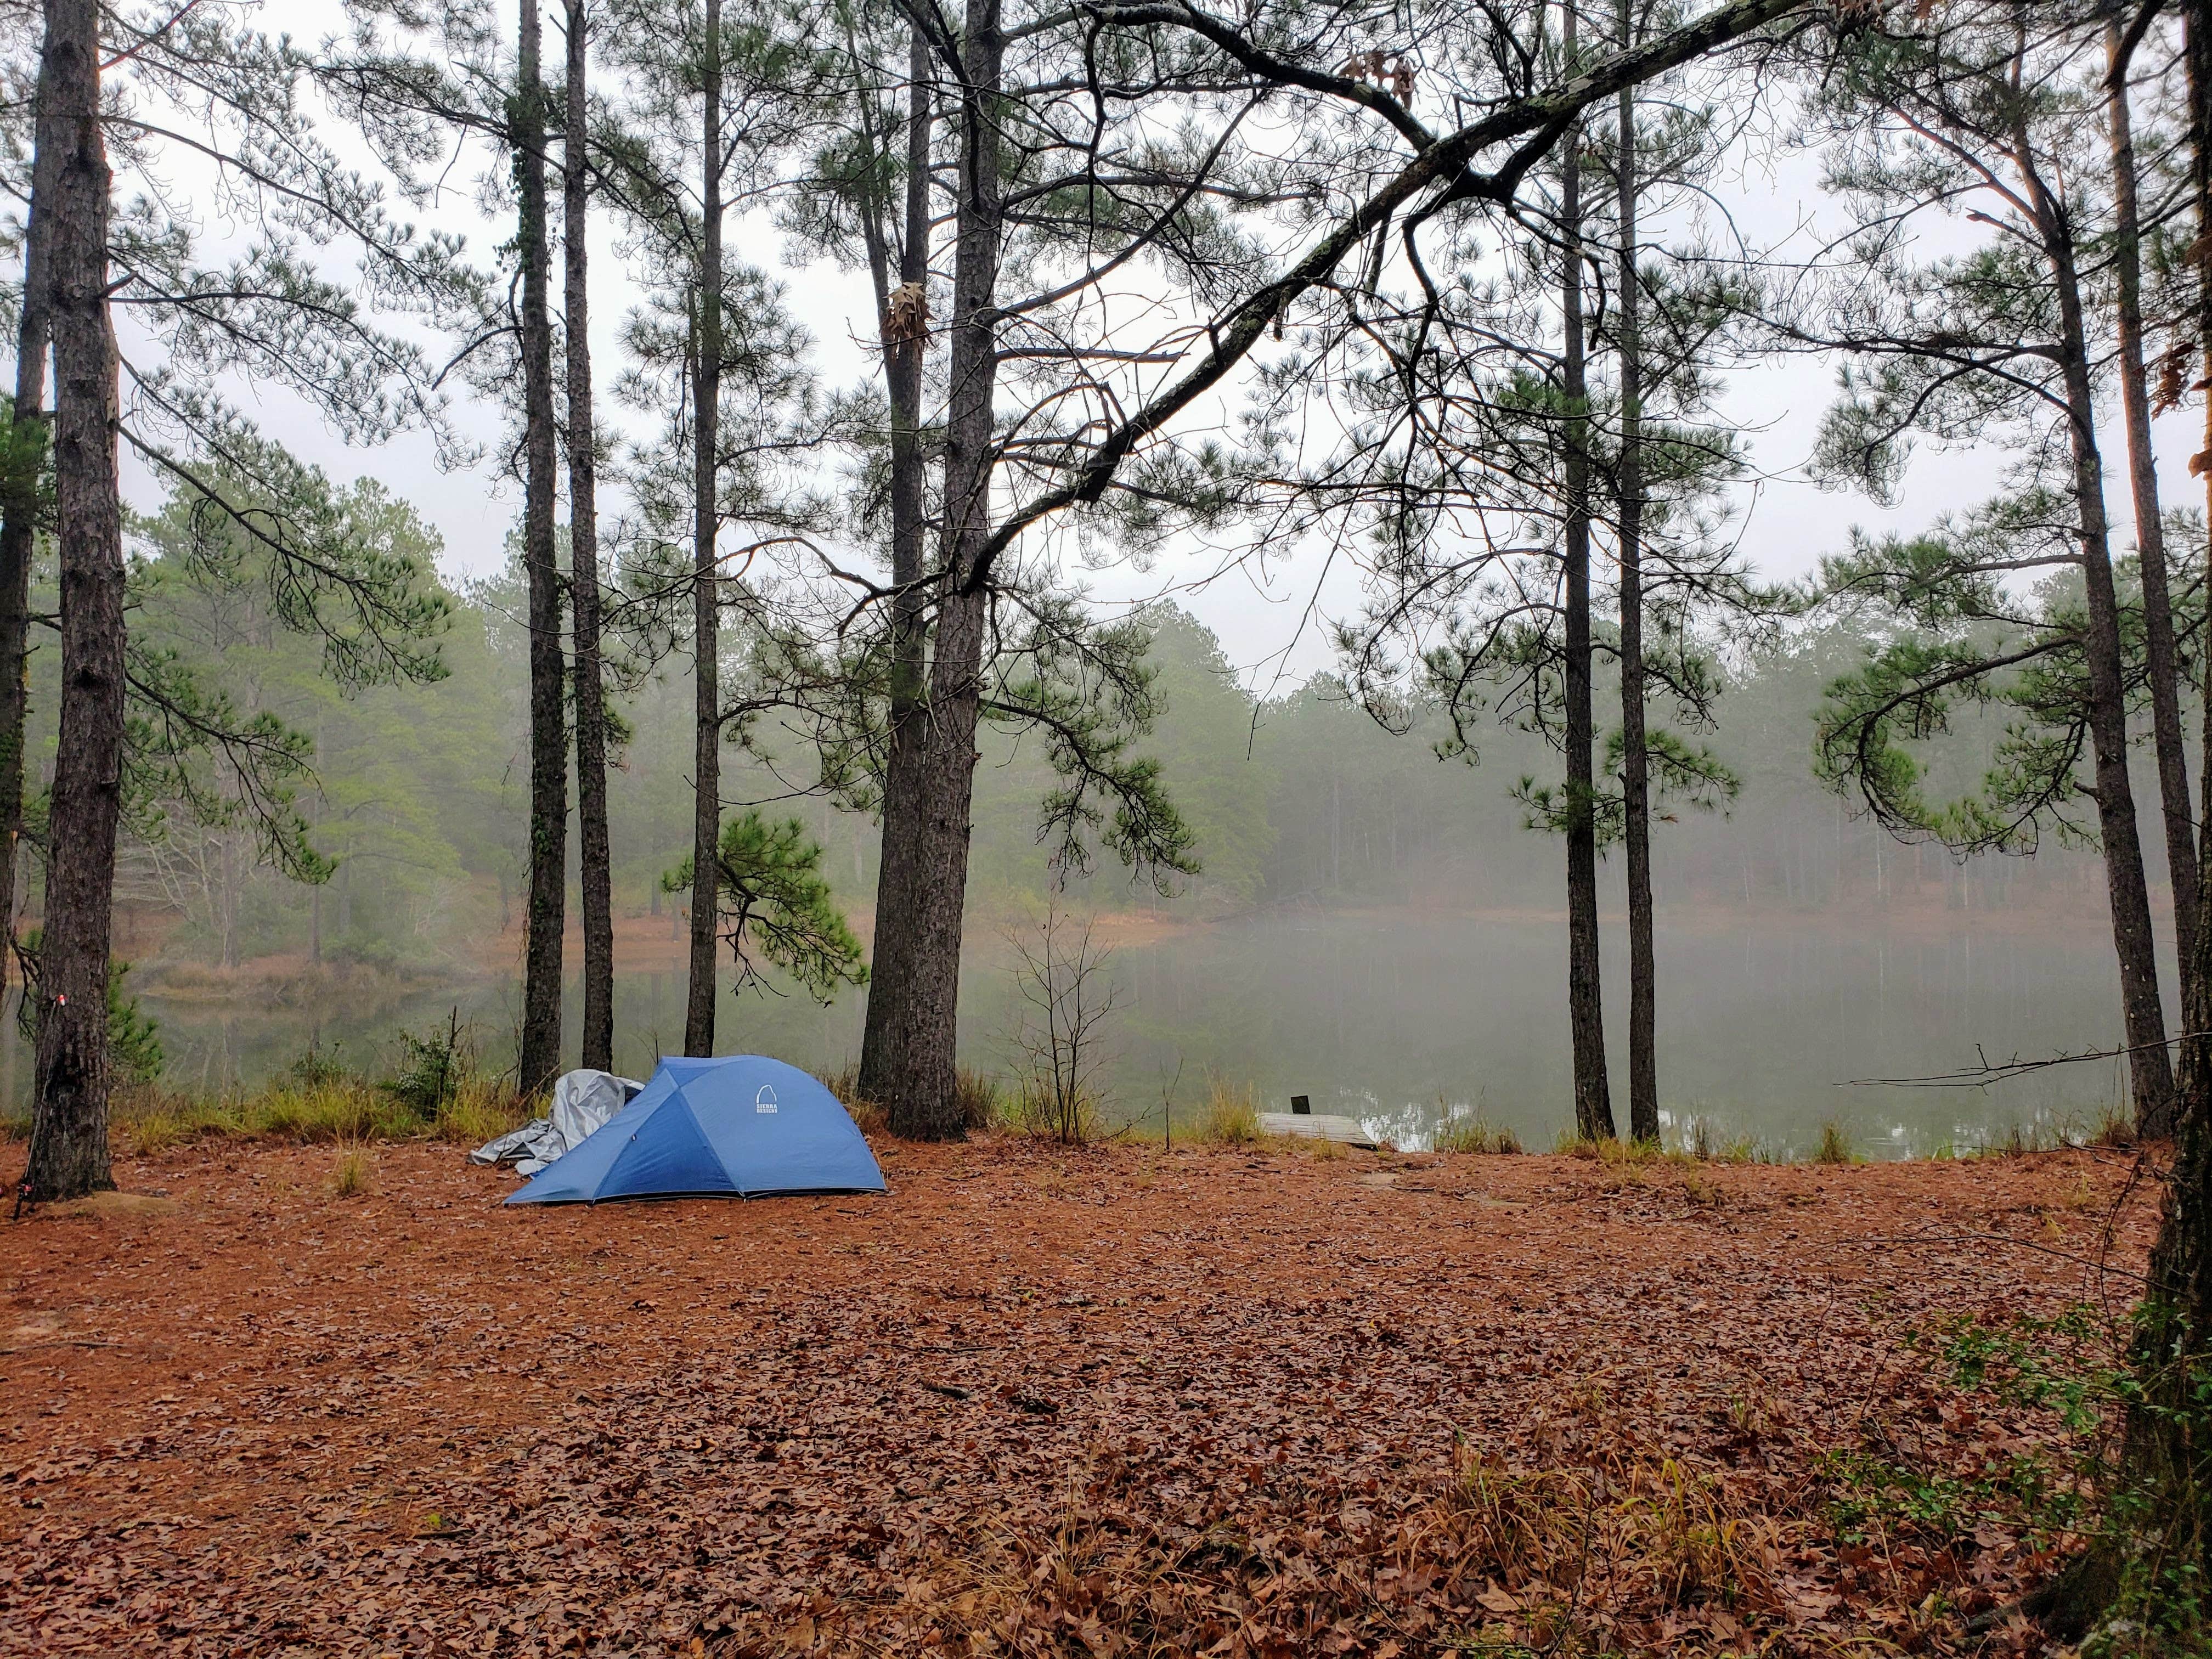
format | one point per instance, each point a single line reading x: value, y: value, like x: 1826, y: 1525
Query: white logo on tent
x: 765, y: 1100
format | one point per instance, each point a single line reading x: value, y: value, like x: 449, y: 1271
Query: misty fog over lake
x: 1396, y: 1017
x: 1372, y: 928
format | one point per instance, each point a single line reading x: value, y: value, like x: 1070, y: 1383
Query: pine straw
x: 1605, y: 1544
x: 1048, y: 1402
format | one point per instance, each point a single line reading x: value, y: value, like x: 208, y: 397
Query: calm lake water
x: 1399, y: 1020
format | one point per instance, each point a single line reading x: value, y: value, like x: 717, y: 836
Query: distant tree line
x: 416, y: 799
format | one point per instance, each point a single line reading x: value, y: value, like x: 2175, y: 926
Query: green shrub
x: 134, y: 1040
x: 431, y: 1068
x: 2057, y: 1365
x: 316, y: 1067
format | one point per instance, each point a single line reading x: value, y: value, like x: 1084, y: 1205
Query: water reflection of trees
x: 1399, y: 1018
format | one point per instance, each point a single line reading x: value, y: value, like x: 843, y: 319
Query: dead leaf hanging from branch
x: 2172, y: 370
x: 1394, y: 74
x: 906, y: 317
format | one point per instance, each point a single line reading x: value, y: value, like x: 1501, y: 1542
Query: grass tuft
x: 355, y: 1174
x: 1042, y: 1114
x: 1745, y: 1149
x: 1834, y: 1148
x: 1703, y: 1194
x: 1472, y: 1135
x: 154, y: 1131
x: 334, y: 1107
x: 979, y: 1095
x: 2115, y: 1128
x: 981, y: 1099
x: 871, y: 1119
x: 1610, y: 1150
x: 2022, y: 1141
x: 478, y: 1110
x: 1231, y: 1116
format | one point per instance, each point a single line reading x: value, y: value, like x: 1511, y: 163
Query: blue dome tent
x: 737, y: 1126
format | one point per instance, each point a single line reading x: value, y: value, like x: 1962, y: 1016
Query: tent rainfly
x: 739, y: 1125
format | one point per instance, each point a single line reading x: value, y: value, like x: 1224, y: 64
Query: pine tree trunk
x: 1635, y: 755
x: 595, y: 854
x: 2150, y: 530
x: 2150, y: 1070
x: 2164, y: 1453
x: 19, y: 504
x: 548, y: 735
x: 1585, y: 1007
x: 69, y: 1124
x: 917, y: 973
x: 706, y: 593
x: 2194, y: 1089
x: 897, y: 879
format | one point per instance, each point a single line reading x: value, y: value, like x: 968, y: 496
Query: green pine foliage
x: 134, y: 1037
x: 1958, y: 655
x: 776, y: 908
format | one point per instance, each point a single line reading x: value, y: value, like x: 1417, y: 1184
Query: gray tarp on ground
x: 582, y: 1101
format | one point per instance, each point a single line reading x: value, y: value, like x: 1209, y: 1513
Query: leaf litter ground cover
x: 1042, y: 1402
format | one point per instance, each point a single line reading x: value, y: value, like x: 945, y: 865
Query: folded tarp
x: 582, y: 1101
x: 740, y: 1126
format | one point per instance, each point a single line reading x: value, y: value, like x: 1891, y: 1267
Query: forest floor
x: 1104, y: 1401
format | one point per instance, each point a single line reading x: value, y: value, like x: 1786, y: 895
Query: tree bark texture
x: 547, y: 917
x: 706, y: 584
x: 69, y: 1125
x: 1635, y: 755
x: 1585, y: 1007
x: 2164, y: 1451
x: 19, y: 508
x: 2164, y: 655
x: 595, y: 854
x: 917, y: 971
x: 905, y: 718
x: 2150, y: 1069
